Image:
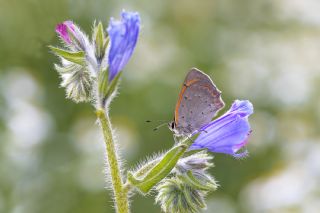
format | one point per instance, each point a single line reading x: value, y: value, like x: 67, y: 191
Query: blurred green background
x: 267, y: 51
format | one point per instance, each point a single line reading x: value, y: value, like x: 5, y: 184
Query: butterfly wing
x: 199, y: 101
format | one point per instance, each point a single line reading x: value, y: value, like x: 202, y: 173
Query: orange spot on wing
x: 185, y: 86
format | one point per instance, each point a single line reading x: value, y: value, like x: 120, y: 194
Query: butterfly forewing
x: 199, y: 101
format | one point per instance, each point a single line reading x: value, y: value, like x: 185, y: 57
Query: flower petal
x: 123, y: 38
x: 229, y: 133
x: 242, y: 108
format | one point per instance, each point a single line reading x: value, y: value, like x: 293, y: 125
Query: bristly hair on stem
x: 120, y: 197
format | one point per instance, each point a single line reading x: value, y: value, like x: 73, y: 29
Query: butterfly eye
x: 172, y: 125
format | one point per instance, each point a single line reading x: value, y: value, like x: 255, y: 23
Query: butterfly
x: 198, y: 102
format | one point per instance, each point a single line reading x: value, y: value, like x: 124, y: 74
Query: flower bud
x: 73, y: 37
x: 123, y: 39
x: 63, y: 30
x: 78, y: 63
x: 100, y: 42
x: 195, y: 162
x: 176, y: 196
x: 199, y: 180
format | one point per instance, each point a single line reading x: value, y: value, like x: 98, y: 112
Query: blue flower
x: 123, y: 38
x: 229, y: 133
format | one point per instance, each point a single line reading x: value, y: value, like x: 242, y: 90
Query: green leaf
x: 106, y: 42
x: 99, y: 41
x: 78, y: 85
x: 103, y: 83
x: 106, y: 88
x: 113, y: 85
x: 145, y: 168
x: 193, y: 199
x: 192, y: 152
x: 159, y: 171
x: 206, y: 184
x: 66, y: 69
x: 75, y: 57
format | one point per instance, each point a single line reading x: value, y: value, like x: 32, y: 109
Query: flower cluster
x: 90, y: 70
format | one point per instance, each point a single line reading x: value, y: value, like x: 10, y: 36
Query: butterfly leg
x: 202, y: 130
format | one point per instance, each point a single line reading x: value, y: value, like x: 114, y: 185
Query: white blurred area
x: 28, y: 124
x: 294, y: 187
x: 284, y: 71
x: 306, y: 11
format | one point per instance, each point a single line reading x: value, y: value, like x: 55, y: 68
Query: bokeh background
x: 267, y: 51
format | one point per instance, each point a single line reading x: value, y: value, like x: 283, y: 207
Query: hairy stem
x: 120, y: 193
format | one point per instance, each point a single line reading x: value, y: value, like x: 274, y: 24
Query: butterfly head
x: 172, y: 126
x: 176, y: 131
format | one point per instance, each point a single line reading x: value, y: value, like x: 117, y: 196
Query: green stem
x: 120, y: 193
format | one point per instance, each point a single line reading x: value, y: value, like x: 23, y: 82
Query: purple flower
x: 75, y: 39
x: 229, y: 133
x: 123, y: 38
x: 63, y: 28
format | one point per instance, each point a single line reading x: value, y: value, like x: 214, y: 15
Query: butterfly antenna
x: 149, y: 121
x: 161, y: 125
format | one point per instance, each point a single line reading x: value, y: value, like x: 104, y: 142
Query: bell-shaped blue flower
x: 229, y: 133
x: 123, y: 38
